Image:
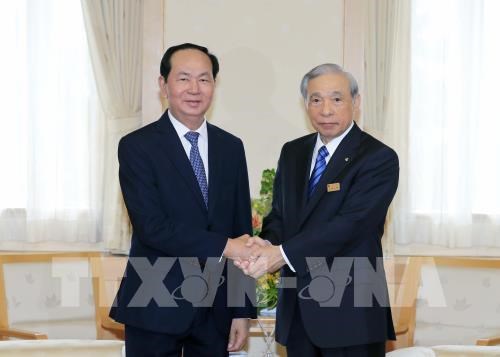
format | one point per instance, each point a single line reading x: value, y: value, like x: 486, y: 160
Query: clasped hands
x: 254, y: 256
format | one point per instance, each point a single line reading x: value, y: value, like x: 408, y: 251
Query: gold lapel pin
x: 332, y: 187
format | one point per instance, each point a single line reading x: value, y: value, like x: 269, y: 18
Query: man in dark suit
x: 185, y: 185
x: 331, y: 195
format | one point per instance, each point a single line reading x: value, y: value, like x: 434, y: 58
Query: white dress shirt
x: 331, y: 147
x: 182, y: 130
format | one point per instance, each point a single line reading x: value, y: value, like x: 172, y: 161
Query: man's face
x: 330, y: 106
x: 189, y: 86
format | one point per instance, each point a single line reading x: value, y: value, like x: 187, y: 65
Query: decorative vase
x: 268, y: 312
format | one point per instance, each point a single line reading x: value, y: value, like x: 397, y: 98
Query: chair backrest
x: 402, y: 282
x: 447, y: 300
x: 458, y: 300
x: 47, y: 292
x: 107, y: 272
x: 395, y: 269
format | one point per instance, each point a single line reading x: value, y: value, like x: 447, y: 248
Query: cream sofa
x: 446, y: 351
x: 61, y: 348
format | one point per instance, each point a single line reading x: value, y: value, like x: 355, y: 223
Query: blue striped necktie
x: 197, y: 164
x: 319, y: 168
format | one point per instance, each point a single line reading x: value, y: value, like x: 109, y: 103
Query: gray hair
x: 324, y: 69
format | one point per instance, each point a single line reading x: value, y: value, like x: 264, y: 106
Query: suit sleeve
x: 360, y: 216
x: 150, y: 223
x: 243, y: 225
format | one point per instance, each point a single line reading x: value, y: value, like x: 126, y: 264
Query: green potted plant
x: 267, y: 285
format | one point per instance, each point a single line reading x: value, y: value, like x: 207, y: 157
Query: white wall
x: 152, y: 53
x: 264, y: 48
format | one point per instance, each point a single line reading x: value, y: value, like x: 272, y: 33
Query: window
x: 49, y: 131
x: 455, y: 120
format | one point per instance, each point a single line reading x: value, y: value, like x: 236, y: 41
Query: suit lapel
x: 340, y: 160
x: 215, y: 155
x: 177, y: 155
x: 303, y: 167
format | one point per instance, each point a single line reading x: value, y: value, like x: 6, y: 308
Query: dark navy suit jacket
x: 170, y: 219
x: 343, y: 220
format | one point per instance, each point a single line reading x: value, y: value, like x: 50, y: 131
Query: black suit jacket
x: 345, y: 221
x: 170, y: 219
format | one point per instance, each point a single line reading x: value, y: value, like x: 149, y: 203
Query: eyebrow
x: 317, y: 94
x: 204, y: 74
x: 182, y: 73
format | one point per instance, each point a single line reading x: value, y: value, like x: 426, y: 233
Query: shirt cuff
x: 222, y: 255
x: 286, y: 259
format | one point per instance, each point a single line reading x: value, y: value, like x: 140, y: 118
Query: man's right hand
x: 236, y: 248
x: 257, y: 241
x: 253, y: 244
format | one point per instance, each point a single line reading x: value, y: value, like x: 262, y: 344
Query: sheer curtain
x: 432, y: 73
x: 114, y: 29
x: 387, y: 93
x: 454, y: 195
x: 50, y: 133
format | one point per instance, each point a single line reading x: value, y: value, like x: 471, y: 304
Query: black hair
x: 166, y: 64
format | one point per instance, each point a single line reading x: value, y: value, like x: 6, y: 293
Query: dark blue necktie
x: 197, y: 164
x: 319, y: 168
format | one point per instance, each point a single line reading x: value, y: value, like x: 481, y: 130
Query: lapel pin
x: 332, y: 187
x: 346, y: 159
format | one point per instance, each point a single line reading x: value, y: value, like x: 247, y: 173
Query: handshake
x: 253, y: 255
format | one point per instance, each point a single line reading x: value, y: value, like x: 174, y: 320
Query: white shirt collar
x: 331, y: 146
x: 334, y: 143
x: 181, y: 129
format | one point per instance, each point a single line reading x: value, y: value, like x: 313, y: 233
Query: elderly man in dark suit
x: 331, y: 195
x: 185, y: 185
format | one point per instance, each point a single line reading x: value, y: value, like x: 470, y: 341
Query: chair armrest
x: 115, y: 328
x: 22, y: 334
x: 401, y: 329
x: 110, y: 324
x: 490, y: 341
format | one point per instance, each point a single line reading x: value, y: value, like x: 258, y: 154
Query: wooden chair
x: 401, y: 273
x: 9, y: 259
x: 404, y: 305
x: 107, y: 272
x: 6, y: 331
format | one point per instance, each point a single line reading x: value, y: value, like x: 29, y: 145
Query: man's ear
x: 357, y: 102
x: 162, y: 83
